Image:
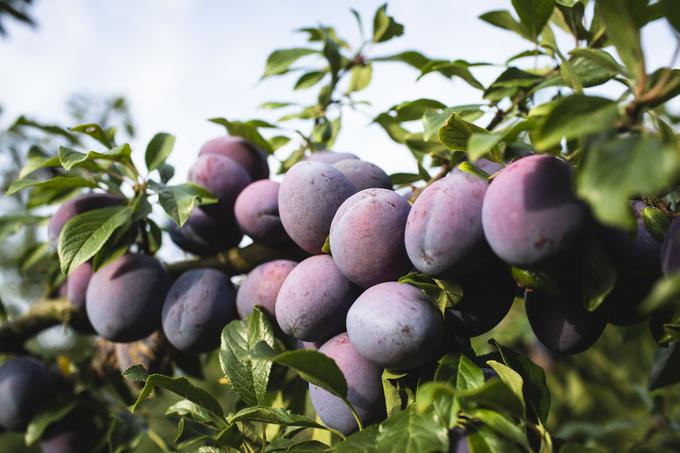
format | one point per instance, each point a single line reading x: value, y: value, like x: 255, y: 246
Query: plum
x: 261, y: 287
x: 76, y: 285
x: 329, y: 157
x: 125, y: 298
x: 364, y: 388
x: 530, y: 214
x: 367, y: 237
x: 458, y: 441
x: 310, y: 194
x: 257, y: 213
x: 252, y: 159
x: 74, y: 433
x: 670, y: 249
x: 561, y: 322
x: 638, y: 263
x: 25, y: 384
x: 395, y: 326
x: 364, y: 175
x: 198, y: 306
x: 224, y: 178
x: 488, y: 294
x: 203, y: 235
x: 488, y: 166
x: 444, y: 235
x: 313, y: 301
x: 75, y: 206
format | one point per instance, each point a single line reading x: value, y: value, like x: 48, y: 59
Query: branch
x: 42, y: 315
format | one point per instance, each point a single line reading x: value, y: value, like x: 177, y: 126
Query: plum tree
x: 395, y: 326
x: 637, y: 259
x: 313, y: 301
x: 257, y: 213
x: 483, y: 305
x: 561, y: 322
x: 530, y: 214
x: 364, y: 388
x: 367, y: 237
x: 73, y: 207
x: 444, y: 235
x: 261, y: 287
x: 670, y: 249
x: 364, y: 175
x: 25, y: 384
x: 253, y: 160
x: 198, y: 306
x: 310, y: 194
x: 204, y: 235
x: 330, y: 157
x: 125, y: 298
x: 224, y: 178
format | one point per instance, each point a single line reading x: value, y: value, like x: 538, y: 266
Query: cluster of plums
x: 349, y: 303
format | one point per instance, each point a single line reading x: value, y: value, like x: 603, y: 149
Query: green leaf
x: 183, y: 387
x: 186, y: 408
x: 534, y: 14
x: 510, y: 82
x: 246, y: 130
x: 503, y: 19
x: 326, y: 248
x: 411, y: 432
x: 455, y: 132
x: 433, y: 121
x: 619, y: 169
x: 180, y: 200
x: 36, y: 163
x: 10, y: 224
x: 274, y: 416
x: 598, y: 275
x: 309, y: 79
x: 51, y: 412
x: 666, y: 369
x: 58, y: 182
x: 312, y: 366
x: 665, y: 292
x: 469, y: 375
x: 158, y: 150
x: 136, y: 373
x: 69, y: 157
x: 601, y: 58
x: 621, y: 17
x: 502, y: 425
x: 361, y: 77
x: 85, y: 234
x: 384, y: 26
x: 96, y: 132
x: 247, y: 375
x: 280, y: 60
x: 452, y: 69
x: 485, y: 440
x: 481, y: 144
x: 535, y: 389
x: 576, y: 116
x: 511, y: 379
x: 359, y: 442
x: 399, y: 179
x: 412, y: 58
x: 672, y: 13
x: 656, y: 222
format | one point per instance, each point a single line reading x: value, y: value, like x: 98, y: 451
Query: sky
x: 180, y: 62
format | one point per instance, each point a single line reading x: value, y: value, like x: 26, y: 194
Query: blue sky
x: 180, y: 62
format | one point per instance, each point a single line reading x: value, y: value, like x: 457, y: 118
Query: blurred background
x: 178, y: 63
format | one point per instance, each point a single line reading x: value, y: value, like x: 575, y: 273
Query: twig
x: 42, y: 315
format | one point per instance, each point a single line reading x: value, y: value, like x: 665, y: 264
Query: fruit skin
x: 309, y: 195
x: 313, y: 301
x: 76, y: 285
x: 458, y: 442
x: 670, y: 249
x: 203, y: 235
x: 224, y: 178
x: 444, y: 234
x: 488, y: 166
x: 395, y: 326
x: 367, y: 237
x: 25, y: 384
x: 330, y: 157
x: 488, y: 295
x: 530, y: 215
x: 261, y: 287
x: 198, y: 306
x: 562, y: 324
x: 125, y: 298
x: 364, y: 388
x: 75, y: 433
x: 364, y: 175
x: 638, y: 263
x: 252, y: 159
x: 74, y: 207
x: 257, y: 213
